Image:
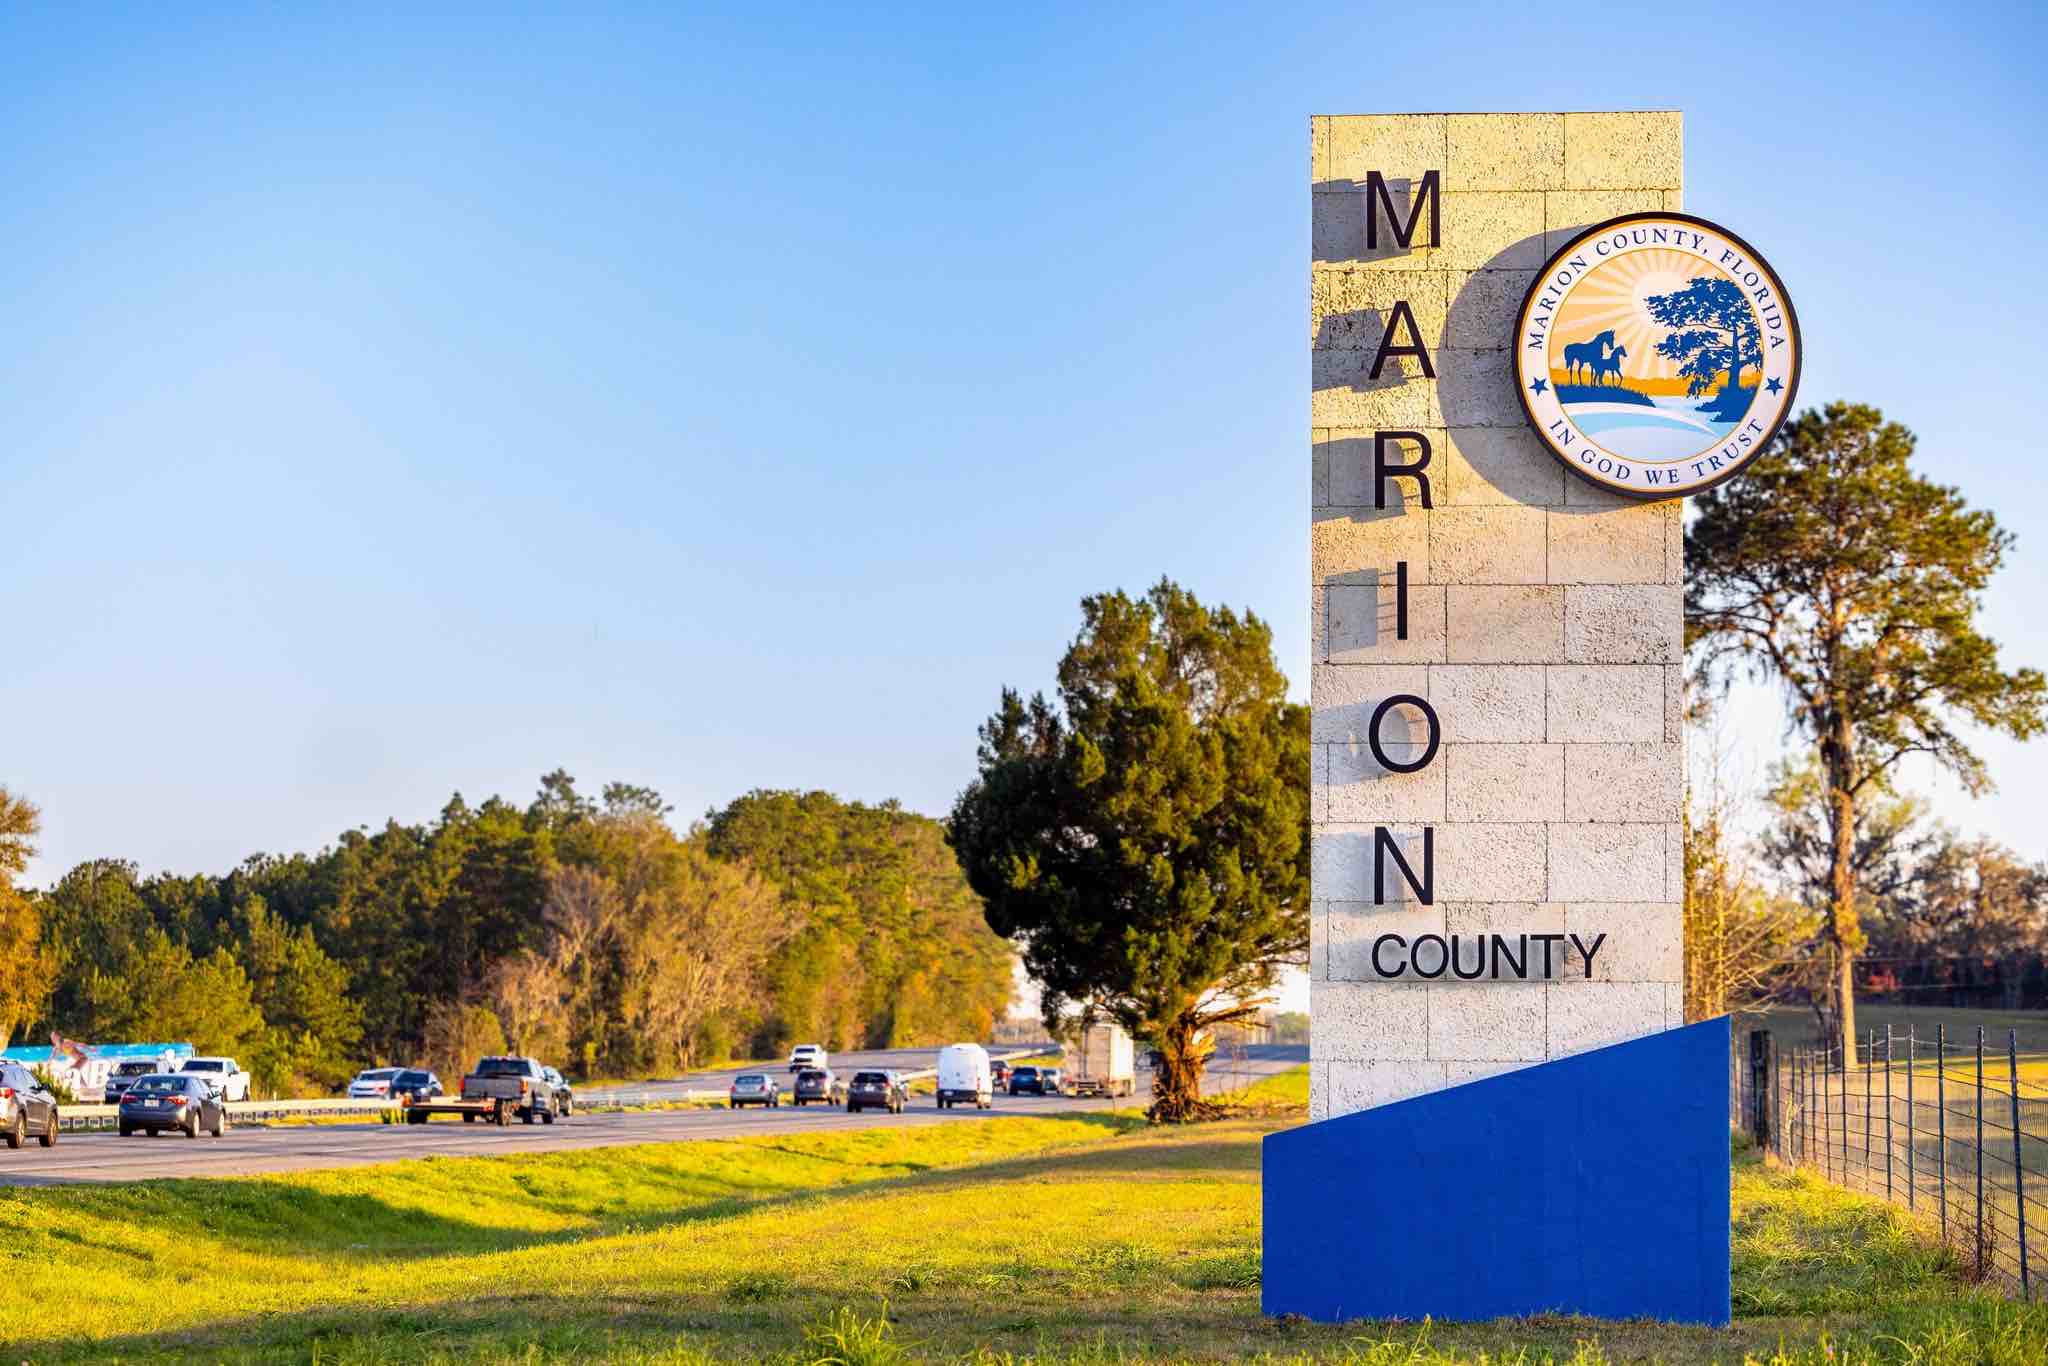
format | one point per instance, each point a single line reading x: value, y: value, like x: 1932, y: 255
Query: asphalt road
x: 249, y: 1151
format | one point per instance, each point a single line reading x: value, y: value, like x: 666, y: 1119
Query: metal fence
x: 1950, y: 1129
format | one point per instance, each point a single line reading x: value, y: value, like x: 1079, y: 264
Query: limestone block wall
x: 1538, y: 616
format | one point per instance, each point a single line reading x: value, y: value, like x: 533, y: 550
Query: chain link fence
x: 1952, y: 1129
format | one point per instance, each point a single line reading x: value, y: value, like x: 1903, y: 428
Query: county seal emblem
x: 1656, y: 354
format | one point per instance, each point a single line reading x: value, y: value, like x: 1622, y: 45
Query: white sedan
x: 372, y: 1083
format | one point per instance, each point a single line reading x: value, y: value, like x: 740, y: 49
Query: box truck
x: 1101, y: 1062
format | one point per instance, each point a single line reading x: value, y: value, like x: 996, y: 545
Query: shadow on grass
x: 1175, y: 1158
x: 282, y: 1219
x: 278, y: 1217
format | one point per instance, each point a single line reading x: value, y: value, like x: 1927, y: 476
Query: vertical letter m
x: 1377, y: 198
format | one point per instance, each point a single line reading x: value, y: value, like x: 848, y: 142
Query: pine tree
x: 1834, y: 569
x: 1146, y: 839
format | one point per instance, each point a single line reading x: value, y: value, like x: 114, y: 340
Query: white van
x: 964, y: 1076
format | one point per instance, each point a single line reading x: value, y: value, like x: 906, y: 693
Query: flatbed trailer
x: 491, y: 1109
x: 499, y: 1087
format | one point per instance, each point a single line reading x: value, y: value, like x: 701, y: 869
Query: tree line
x: 589, y: 932
x: 1947, y: 918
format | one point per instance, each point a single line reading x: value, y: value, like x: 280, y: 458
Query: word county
x: 1491, y: 957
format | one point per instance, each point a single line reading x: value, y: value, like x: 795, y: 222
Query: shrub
x: 54, y: 1084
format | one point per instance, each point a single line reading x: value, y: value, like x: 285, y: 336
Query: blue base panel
x: 1596, y: 1184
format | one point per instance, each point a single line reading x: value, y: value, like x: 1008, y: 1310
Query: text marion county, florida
x: 1779, y: 352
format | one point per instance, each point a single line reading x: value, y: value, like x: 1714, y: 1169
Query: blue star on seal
x: 1536, y: 386
x: 1774, y: 385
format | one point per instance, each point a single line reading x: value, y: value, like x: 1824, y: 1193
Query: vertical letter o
x: 1372, y: 733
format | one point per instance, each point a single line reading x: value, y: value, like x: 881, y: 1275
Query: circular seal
x: 1656, y: 354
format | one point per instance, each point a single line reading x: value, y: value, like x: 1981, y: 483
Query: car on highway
x: 372, y: 1083
x: 177, y: 1100
x: 754, y: 1088
x: 565, y: 1099
x: 1051, y: 1081
x: 516, y: 1082
x: 415, y: 1083
x: 877, y: 1091
x: 224, y: 1075
x: 123, y: 1076
x: 808, y: 1055
x: 818, y: 1084
x: 26, y: 1107
x: 1024, y: 1081
x: 999, y: 1076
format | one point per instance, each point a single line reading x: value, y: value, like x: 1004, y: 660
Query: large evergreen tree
x: 1145, y: 837
x: 1834, y: 569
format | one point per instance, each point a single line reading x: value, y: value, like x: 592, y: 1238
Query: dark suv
x: 877, y: 1091
x: 172, y: 1100
x: 815, y: 1083
x: 123, y: 1076
x: 1027, y: 1081
x: 417, y: 1083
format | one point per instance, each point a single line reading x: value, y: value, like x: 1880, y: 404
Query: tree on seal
x: 1833, y: 568
x: 1144, y: 838
x: 1715, y: 333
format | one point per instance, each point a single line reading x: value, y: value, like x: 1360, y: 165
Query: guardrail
x: 91, y: 1118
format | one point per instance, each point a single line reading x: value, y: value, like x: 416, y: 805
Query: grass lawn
x: 1086, y: 1238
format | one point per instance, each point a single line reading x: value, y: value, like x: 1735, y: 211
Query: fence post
x: 1840, y: 1061
x: 1760, y: 1087
x: 1804, y: 1101
x: 2019, y: 1180
x: 1827, y: 1106
x: 1912, y: 1116
x: 1807, y: 1148
x: 1848, y: 1045
x: 1780, y: 1098
x: 1979, y: 1261
x: 1887, y: 1112
x: 1805, y: 1066
x: 1869, y: 1061
x: 1816, y: 1154
x: 1941, y: 1118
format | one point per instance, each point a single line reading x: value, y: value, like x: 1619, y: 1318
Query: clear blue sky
x: 392, y: 407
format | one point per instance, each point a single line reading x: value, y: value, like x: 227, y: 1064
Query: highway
x: 250, y: 1151
x: 844, y: 1065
